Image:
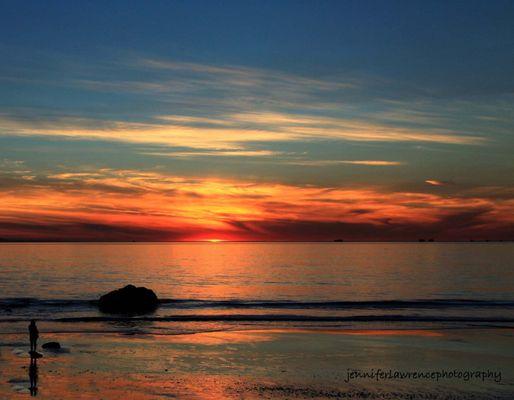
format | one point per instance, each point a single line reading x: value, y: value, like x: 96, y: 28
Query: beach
x: 253, y: 364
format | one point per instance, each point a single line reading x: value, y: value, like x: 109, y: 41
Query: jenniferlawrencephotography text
x: 379, y: 374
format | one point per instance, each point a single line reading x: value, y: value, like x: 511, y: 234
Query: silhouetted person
x: 33, y: 376
x: 34, y: 335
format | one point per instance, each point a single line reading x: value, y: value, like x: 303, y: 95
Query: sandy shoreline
x: 251, y: 364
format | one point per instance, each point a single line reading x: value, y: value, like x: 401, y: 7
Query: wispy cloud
x: 325, y: 163
x: 217, y: 153
x: 374, y: 163
x: 14, y: 169
x: 228, y: 131
x: 247, y: 77
x: 436, y: 182
x: 209, y: 87
x: 227, y: 107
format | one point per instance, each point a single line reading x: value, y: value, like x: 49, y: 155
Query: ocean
x: 261, y: 320
x: 258, y: 285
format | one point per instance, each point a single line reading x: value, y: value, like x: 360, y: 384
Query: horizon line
x: 261, y: 241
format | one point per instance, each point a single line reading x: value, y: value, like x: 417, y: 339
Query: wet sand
x: 256, y: 364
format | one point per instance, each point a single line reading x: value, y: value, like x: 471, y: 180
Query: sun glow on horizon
x: 113, y: 205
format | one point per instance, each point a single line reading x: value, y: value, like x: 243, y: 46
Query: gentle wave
x: 27, y: 302
x: 455, y: 312
x: 277, y: 318
x: 339, y: 305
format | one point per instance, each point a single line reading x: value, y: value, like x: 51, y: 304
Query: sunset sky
x: 256, y: 120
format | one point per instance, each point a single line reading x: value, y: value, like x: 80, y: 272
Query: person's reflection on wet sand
x: 33, y: 376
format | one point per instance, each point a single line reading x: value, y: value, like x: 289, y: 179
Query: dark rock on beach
x: 51, y: 346
x: 129, y: 300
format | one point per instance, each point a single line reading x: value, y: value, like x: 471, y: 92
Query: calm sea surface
x: 338, y: 283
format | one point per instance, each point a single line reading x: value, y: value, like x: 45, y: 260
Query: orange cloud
x: 123, y: 205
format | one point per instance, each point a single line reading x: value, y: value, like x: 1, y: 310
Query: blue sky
x: 395, y: 97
